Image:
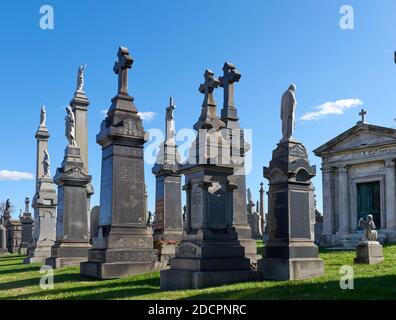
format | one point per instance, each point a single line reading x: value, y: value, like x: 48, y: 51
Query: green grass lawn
x: 19, y: 281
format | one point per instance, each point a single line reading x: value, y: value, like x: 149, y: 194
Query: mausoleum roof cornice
x: 329, y: 147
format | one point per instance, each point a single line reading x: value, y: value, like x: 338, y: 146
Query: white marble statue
x: 370, y: 234
x: 170, y: 121
x: 70, y: 122
x: 288, y: 109
x: 43, y: 117
x: 80, y: 77
x: 46, y: 164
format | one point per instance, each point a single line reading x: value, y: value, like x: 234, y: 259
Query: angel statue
x: 80, y: 77
x: 70, y: 122
x: 46, y: 164
x: 370, y: 234
x: 43, y: 117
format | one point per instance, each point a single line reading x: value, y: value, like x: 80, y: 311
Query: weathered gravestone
x: 124, y: 245
x: 168, y: 222
x: 94, y: 219
x: 72, y: 230
x: 26, y: 229
x: 3, y: 246
x: 290, y: 252
x: 209, y: 253
x: 234, y: 134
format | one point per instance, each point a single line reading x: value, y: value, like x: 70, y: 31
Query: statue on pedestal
x: 70, y: 122
x: 370, y: 234
x: 288, y: 108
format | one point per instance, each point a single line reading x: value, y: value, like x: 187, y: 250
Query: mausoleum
x: 358, y: 172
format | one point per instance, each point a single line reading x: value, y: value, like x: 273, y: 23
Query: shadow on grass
x: 380, y: 287
x: 123, y: 288
x: 8, y: 258
x: 20, y: 270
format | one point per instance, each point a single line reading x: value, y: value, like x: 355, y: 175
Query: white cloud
x: 15, y: 175
x: 337, y: 107
x: 147, y: 116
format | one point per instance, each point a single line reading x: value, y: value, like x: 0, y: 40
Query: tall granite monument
x: 44, y: 200
x: 290, y: 252
x: 26, y: 228
x: 124, y: 244
x: 168, y: 222
x: 72, y: 230
x: 239, y: 147
x: 79, y: 105
x: 209, y: 253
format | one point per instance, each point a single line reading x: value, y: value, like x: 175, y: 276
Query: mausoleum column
x: 343, y: 209
x: 328, y: 214
x: 390, y: 195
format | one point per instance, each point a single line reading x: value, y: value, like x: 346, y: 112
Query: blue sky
x: 272, y: 43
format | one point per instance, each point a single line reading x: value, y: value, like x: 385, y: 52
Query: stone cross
x: 230, y: 76
x: 208, y: 86
x: 121, y: 67
x: 362, y: 113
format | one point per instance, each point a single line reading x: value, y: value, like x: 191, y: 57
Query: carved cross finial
x: 230, y: 75
x: 121, y: 67
x: 363, y: 113
x: 208, y: 86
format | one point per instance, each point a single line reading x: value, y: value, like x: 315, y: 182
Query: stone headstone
x: 209, y: 253
x: 26, y: 229
x: 290, y: 252
x: 13, y: 236
x: 94, y: 227
x: 233, y: 131
x: 254, y: 221
x: 168, y: 224
x: 72, y: 230
x: 124, y: 245
x: 3, y: 245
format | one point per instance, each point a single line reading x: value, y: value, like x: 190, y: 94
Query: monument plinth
x: 209, y: 253
x: 72, y: 229
x: 290, y: 252
x: 124, y: 244
x: 44, y: 204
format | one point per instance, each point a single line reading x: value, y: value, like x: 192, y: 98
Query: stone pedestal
x: 369, y: 252
x: 124, y: 245
x: 3, y: 247
x: 290, y: 252
x: 72, y: 233
x: 44, y: 204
